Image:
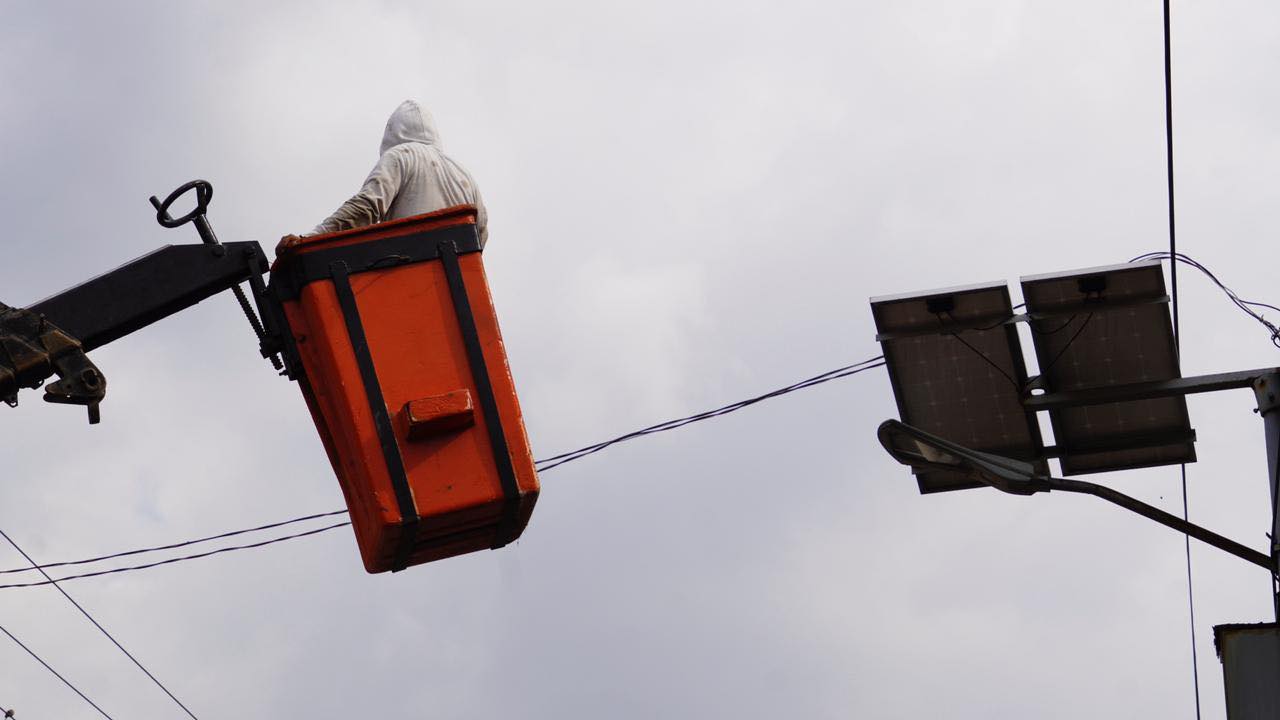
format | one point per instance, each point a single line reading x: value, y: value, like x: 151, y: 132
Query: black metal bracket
x: 32, y: 349
x: 150, y: 288
x: 506, y: 529
x: 53, y: 335
x: 409, y: 519
x: 305, y: 268
x: 1146, y: 390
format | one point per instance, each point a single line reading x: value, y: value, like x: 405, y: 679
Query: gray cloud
x: 690, y: 204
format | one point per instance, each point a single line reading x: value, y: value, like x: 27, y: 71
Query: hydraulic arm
x: 53, y: 335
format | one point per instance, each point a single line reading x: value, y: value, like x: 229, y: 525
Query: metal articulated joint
x: 32, y: 349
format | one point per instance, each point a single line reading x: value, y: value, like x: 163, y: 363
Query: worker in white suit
x: 413, y: 176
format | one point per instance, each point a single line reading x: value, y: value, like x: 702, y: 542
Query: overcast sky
x: 690, y: 204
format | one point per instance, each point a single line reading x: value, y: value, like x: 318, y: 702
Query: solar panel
x: 957, y: 371
x: 1102, y: 327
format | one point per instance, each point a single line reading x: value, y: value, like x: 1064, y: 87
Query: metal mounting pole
x: 1267, y: 390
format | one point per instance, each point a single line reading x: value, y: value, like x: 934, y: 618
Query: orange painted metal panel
x: 425, y: 374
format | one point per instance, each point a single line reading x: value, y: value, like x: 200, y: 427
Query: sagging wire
x: 1177, y: 327
x: 1016, y: 386
x: 172, y: 546
x: 1247, y: 306
x: 1070, y: 342
x: 184, y: 558
x: 558, y: 460
x: 543, y: 466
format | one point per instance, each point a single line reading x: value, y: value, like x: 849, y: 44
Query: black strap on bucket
x: 506, y: 530
x: 338, y: 272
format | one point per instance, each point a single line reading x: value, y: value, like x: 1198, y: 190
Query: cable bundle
x: 1246, y: 305
x: 558, y: 460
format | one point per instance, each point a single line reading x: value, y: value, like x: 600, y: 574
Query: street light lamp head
x: 925, y: 452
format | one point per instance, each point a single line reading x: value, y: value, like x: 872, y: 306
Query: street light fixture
x: 926, y: 452
x: 1110, y: 381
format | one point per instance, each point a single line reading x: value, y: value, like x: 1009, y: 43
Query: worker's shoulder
x: 412, y: 157
x: 408, y: 149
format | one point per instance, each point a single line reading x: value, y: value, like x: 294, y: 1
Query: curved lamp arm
x: 917, y: 448
x: 1162, y: 517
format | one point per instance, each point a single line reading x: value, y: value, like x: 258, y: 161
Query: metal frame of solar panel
x: 1103, y: 327
x: 957, y: 371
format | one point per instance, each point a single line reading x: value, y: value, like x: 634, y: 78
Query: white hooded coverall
x: 413, y: 176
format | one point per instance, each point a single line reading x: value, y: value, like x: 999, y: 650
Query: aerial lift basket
x: 403, y: 368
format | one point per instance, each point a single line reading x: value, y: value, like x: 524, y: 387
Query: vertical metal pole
x: 1267, y: 390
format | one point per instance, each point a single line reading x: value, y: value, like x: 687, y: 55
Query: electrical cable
x: 1056, y: 330
x: 554, y: 461
x: 1244, y: 305
x: 1275, y: 510
x: 98, y: 625
x: 56, y: 673
x: 170, y: 561
x: 976, y: 351
x: 1177, y: 328
x: 1070, y: 342
x: 172, y: 546
x: 1191, y: 603
x: 989, y: 361
x: 998, y: 323
x: 558, y: 460
x: 546, y: 464
x: 660, y: 427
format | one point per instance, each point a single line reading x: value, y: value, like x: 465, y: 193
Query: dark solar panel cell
x: 956, y: 367
x: 1101, y: 327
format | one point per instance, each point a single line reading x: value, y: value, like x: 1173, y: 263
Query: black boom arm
x: 53, y: 335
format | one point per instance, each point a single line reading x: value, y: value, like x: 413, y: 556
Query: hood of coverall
x: 409, y: 123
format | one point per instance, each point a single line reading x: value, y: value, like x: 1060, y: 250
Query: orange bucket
x: 394, y: 341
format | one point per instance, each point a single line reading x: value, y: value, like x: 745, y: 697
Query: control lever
x: 204, y: 194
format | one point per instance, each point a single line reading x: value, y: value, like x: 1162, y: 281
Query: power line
x: 97, y: 625
x: 547, y: 464
x: 55, y: 673
x: 1017, y: 386
x: 551, y: 462
x: 172, y: 546
x: 1177, y: 329
x: 976, y: 351
x: 170, y: 561
x: 848, y: 370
